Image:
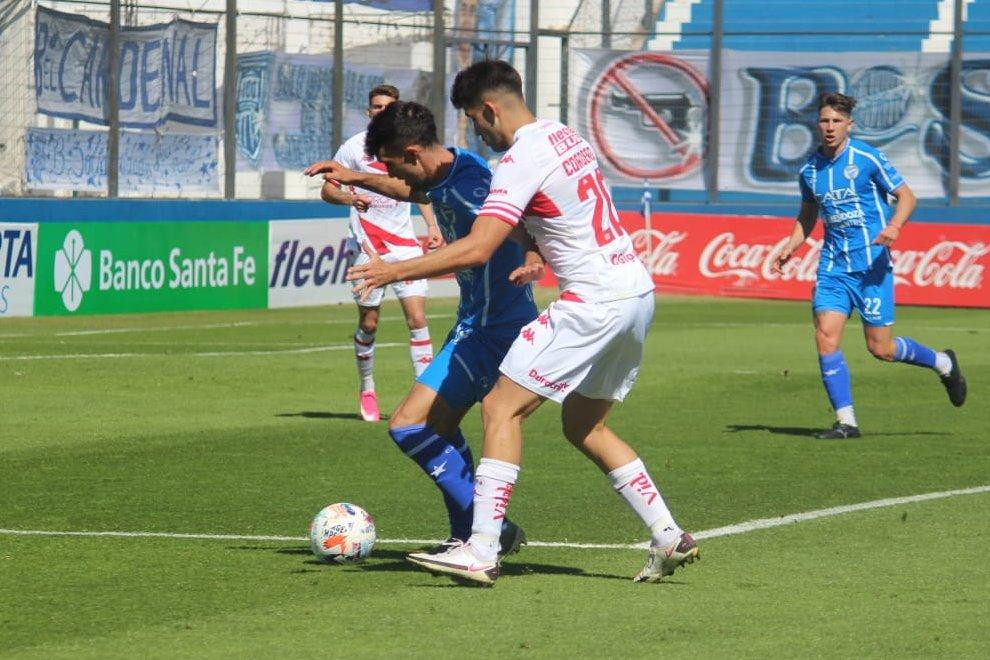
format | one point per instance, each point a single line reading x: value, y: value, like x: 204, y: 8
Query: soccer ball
x: 342, y: 533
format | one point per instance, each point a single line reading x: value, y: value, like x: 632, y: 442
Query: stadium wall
x: 130, y: 256
x: 61, y: 257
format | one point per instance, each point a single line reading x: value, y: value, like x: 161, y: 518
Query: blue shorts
x: 466, y: 368
x: 871, y: 293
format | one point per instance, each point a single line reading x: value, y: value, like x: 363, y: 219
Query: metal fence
x: 704, y: 99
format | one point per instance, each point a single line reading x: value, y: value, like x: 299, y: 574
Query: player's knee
x: 494, y: 413
x: 577, y: 434
x: 416, y: 321
x: 827, y: 342
x: 369, y: 326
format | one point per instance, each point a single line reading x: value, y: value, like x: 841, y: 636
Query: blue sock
x: 835, y: 376
x: 449, y: 464
x: 909, y: 351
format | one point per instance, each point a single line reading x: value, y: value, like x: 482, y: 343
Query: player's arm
x: 806, y: 219
x: 379, y: 183
x: 906, y: 203
x: 433, y: 237
x: 486, y: 234
x: 334, y: 193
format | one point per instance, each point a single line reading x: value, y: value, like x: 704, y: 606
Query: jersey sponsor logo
x: 543, y: 381
x: 838, y: 195
x: 563, y: 140
x: 622, y: 258
x: 507, y: 158
x: 854, y: 218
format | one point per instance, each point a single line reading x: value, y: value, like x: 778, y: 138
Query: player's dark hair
x: 383, y: 90
x: 400, y: 124
x: 838, y: 102
x: 484, y: 76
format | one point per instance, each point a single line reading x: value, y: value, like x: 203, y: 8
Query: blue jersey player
x: 496, y: 301
x: 847, y: 182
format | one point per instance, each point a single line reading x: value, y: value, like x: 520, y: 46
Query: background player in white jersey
x: 583, y: 351
x: 847, y: 182
x: 387, y: 225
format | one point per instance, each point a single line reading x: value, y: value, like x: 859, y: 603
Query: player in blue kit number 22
x: 496, y: 302
x: 846, y: 182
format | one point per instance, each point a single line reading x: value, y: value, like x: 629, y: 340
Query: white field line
x: 282, y: 351
x: 763, y: 324
x: 728, y: 530
x: 214, y: 326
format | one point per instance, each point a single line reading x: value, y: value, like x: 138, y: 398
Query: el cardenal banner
x: 114, y: 267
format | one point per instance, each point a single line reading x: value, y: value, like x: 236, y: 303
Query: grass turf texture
x: 170, y: 440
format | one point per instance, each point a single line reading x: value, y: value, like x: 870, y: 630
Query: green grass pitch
x: 243, y: 423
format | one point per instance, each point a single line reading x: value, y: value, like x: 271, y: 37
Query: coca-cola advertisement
x: 934, y: 263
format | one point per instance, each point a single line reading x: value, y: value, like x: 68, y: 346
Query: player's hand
x: 372, y: 275
x: 433, y: 237
x: 527, y: 273
x: 361, y: 202
x: 887, y: 237
x: 782, y: 258
x: 332, y: 171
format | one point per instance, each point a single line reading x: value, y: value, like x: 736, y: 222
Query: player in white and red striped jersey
x: 583, y: 351
x: 385, y: 224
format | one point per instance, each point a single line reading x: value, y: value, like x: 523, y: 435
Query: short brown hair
x: 838, y: 102
x: 383, y: 90
x: 486, y: 75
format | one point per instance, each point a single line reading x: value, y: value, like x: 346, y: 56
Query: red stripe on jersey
x: 378, y: 165
x: 500, y: 202
x: 511, y: 220
x: 419, y: 342
x: 505, y: 209
x: 570, y: 297
x: 379, y: 237
x: 542, y: 207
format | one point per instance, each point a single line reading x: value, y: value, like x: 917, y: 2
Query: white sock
x: 943, y: 365
x: 364, y: 355
x: 634, y: 484
x: 845, y: 415
x: 420, y: 349
x: 493, y: 484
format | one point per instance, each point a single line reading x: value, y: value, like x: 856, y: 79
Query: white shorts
x: 594, y: 349
x: 405, y: 289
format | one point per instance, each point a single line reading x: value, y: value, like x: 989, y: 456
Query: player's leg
x: 426, y: 429
x: 877, y: 310
x: 412, y: 297
x: 364, y: 356
x: 503, y: 412
x: 426, y: 425
x: 584, y: 426
x: 831, y: 305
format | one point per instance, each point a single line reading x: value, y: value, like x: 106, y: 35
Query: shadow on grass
x: 320, y: 414
x: 387, y: 560
x: 805, y: 432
